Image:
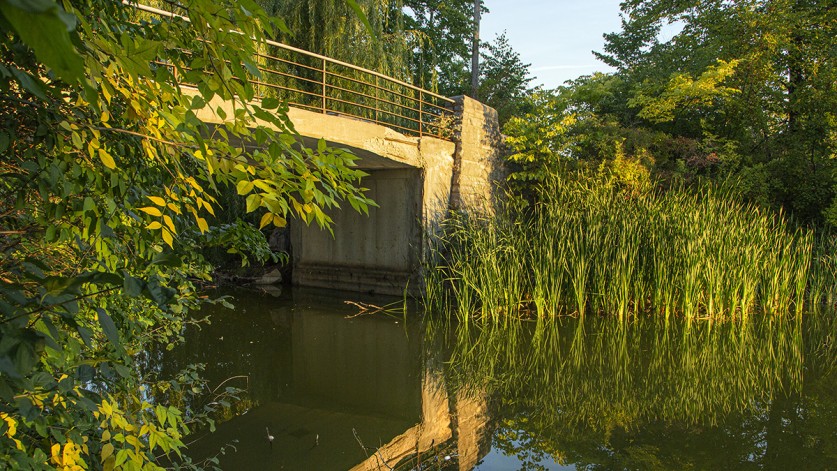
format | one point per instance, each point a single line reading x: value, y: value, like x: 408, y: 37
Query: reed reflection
x: 651, y: 394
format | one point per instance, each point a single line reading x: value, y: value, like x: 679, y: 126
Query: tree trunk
x: 475, y: 52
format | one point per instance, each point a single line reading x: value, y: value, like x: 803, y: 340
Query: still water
x: 342, y: 389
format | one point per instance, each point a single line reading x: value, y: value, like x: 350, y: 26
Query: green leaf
x: 253, y: 202
x: 270, y: 103
x: 46, y: 31
x: 109, y: 328
x: 359, y: 12
x: 160, y: 294
x: 25, y: 358
x: 132, y: 286
x: 107, y: 450
x: 107, y: 159
x: 4, y: 141
x: 243, y: 187
x: 168, y: 259
x: 30, y: 83
x: 138, y: 54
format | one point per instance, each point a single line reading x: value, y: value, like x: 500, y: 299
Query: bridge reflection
x: 365, y: 393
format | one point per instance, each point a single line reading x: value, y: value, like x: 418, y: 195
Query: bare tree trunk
x: 475, y: 52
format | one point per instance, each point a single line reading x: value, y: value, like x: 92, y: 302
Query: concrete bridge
x: 417, y: 172
x: 414, y: 180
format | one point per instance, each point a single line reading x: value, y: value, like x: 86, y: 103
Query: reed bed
x: 588, y: 247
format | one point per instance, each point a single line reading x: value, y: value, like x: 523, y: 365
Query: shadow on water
x: 341, y: 391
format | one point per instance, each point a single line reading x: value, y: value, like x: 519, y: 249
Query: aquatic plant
x: 587, y: 246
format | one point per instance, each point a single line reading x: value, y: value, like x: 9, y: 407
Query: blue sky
x: 555, y: 36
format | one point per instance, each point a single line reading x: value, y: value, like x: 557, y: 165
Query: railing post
x: 376, y: 99
x: 324, y: 86
x: 421, y: 117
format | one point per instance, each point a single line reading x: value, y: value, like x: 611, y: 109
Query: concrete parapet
x: 478, y: 157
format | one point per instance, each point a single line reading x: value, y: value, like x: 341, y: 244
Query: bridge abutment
x: 415, y: 181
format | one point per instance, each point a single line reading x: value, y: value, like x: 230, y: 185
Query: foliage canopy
x: 743, y: 90
x: 109, y: 184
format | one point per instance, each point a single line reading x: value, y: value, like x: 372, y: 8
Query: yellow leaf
x: 107, y: 159
x: 167, y: 237
x: 279, y: 221
x: 132, y: 440
x: 172, y: 194
x: 107, y: 450
x: 56, y: 453
x: 154, y: 226
x: 169, y: 223
x: 265, y: 220
x: 152, y: 211
x: 10, y: 423
x: 243, y: 187
x: 253, y: 201
x: 106, y: 435
x: 203, y: 225
x: 157, y: 200
x: 174, y: 208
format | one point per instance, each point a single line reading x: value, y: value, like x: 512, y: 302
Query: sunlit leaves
x: 108, y: 190
x: 684, y: 93
x: 44, y: 26
x: 152, y: 211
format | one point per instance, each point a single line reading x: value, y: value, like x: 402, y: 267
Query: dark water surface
x: 341, y: 391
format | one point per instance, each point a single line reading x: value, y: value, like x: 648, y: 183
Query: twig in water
x: 378, y: 455
x: 366, y: 308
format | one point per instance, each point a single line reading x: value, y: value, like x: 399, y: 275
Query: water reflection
x: 383, y: 392
x: 648, y: 395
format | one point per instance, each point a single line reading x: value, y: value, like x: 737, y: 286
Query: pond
x: 338, y: 387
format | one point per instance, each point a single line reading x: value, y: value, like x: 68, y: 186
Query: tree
x: 504, y: 78
x: 743, y: 91
x: 375, y: 40
x: 759, y: 75
x: 440, y: 35
x: 109, y: 184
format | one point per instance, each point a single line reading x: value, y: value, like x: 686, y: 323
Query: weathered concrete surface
x: 375, y: 253
x: 414, y: 180
x: 478, y: 159
x: 381, y: 252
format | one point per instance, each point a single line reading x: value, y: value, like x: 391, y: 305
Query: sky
x: 556, y: 37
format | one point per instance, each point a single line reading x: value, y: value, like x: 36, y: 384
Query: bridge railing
x: 318, y: 83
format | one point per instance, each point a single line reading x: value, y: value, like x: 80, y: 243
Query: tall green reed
x: 588, y: 247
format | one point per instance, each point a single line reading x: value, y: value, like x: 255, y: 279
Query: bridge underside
x: 376, y: 253
x: 414, y: 180
x: 409, y: 179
